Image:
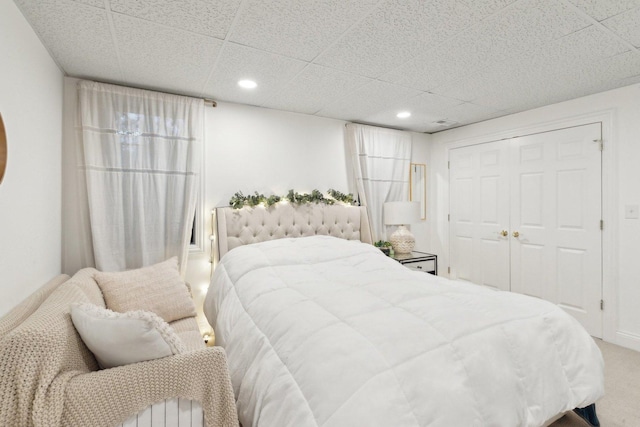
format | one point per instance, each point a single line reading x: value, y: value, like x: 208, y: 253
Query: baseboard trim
x: 628, y: 340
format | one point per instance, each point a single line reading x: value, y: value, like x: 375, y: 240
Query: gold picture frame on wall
x: 3, y: 149
x: 418, y: 187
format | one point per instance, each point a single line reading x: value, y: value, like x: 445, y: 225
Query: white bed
x: 321, y: 331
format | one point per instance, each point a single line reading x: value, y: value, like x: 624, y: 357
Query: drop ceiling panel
x: 626, y: 25
x: 155, y: 56
x: 464, y: 55
x: 479, y: 9
x: 468, y: 113
x: 626, y: 81
x: 473, y: 87
x: 314, y: 88
x: 78, y: 36
x: 271, y: 71
x: 94, y: 3
x: 399, y: 30
x: 607, y: 73
x: 282, y: 26
x: 590, y: 43
x: 361, y: 60
x: 211, y: 18
x: 368, y: 100
x: 532, y: 23
x: 527, y: 25
x: 536, y: 71
x: 515, y: 98
x: 431, y: 103
x: 603, y: 9
x: 425, y: 109
x: 572, y: 53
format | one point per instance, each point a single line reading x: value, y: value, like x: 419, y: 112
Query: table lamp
x: 401, y: 214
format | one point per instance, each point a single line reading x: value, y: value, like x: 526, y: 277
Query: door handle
x: 516, y: 234
x: 503, y: 233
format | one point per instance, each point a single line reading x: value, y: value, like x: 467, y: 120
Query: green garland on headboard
x: 239, y: 200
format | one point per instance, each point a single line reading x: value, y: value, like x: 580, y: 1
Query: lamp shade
x: 399, y: 213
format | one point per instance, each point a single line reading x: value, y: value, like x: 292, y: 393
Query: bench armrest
x: 110, y: 396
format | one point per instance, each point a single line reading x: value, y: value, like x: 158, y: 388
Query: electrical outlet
x: 631, y: 212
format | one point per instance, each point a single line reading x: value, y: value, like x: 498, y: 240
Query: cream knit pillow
x: 157, y: 288
x: 117, y: 339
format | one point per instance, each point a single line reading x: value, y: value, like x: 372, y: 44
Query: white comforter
x: 328, y: 332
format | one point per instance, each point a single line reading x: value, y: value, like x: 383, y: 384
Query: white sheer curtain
x: 141, y: 166
x: 381, y: 161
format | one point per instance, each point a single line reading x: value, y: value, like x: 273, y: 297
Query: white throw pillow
x: 117, y: 339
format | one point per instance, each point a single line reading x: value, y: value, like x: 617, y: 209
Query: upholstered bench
x: 51, y: 378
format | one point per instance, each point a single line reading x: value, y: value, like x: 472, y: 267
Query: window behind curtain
x: 141, y: 164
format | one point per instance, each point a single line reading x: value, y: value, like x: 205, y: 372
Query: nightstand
x: 420, y: 261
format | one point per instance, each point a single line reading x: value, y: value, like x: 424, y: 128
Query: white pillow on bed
x: 117, y: 339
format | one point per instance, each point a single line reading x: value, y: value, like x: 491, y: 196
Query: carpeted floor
x: 621, y: 404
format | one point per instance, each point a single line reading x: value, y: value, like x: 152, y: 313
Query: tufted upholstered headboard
x: 237, y: 227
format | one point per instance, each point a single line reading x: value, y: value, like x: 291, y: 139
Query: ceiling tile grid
x: 313, y: 88
x: 604, y: 74
x: 95, y: 3
x: 210, y: 18
x: 537, y: 68
x: 378, y: 43
x: 283, y: 26
x: 399, y: 30
x: 522, y: 30
x: 361, y: 60
x: 475, y: 49
x: 516, y: 98
x: 425, y: 109
x: 603, y: 9
x: 627, y: 81
x: 160, y: 57
x: 78, y: 36
x: 373, y: 98
x: 483, y: 8
x: 626, y: 25
x: 571, y: 54
x: 468, y: 112
x: 236, y: 62
x: 529, y: 26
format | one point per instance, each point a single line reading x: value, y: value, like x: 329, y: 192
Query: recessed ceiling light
x: 247, y: 84
x: 403, y: 114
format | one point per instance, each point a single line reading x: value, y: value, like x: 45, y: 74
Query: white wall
x: 31, y: 107
x: 256, y: 149
x: 620, y: 111
x: 77, y: 249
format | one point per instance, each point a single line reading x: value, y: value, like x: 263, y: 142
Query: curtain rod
x: 207, y: 101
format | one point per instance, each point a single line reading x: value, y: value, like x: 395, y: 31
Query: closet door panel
x: 530, y: 262
x: 545, y: 190
x: 530, y: 206
x: 479, y: 213
x: 556, y: 212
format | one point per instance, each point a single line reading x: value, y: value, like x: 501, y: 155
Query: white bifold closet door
x: 525, y: 217
x: 479, y: 207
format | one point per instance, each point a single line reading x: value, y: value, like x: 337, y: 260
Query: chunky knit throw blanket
x: 49, y: 378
